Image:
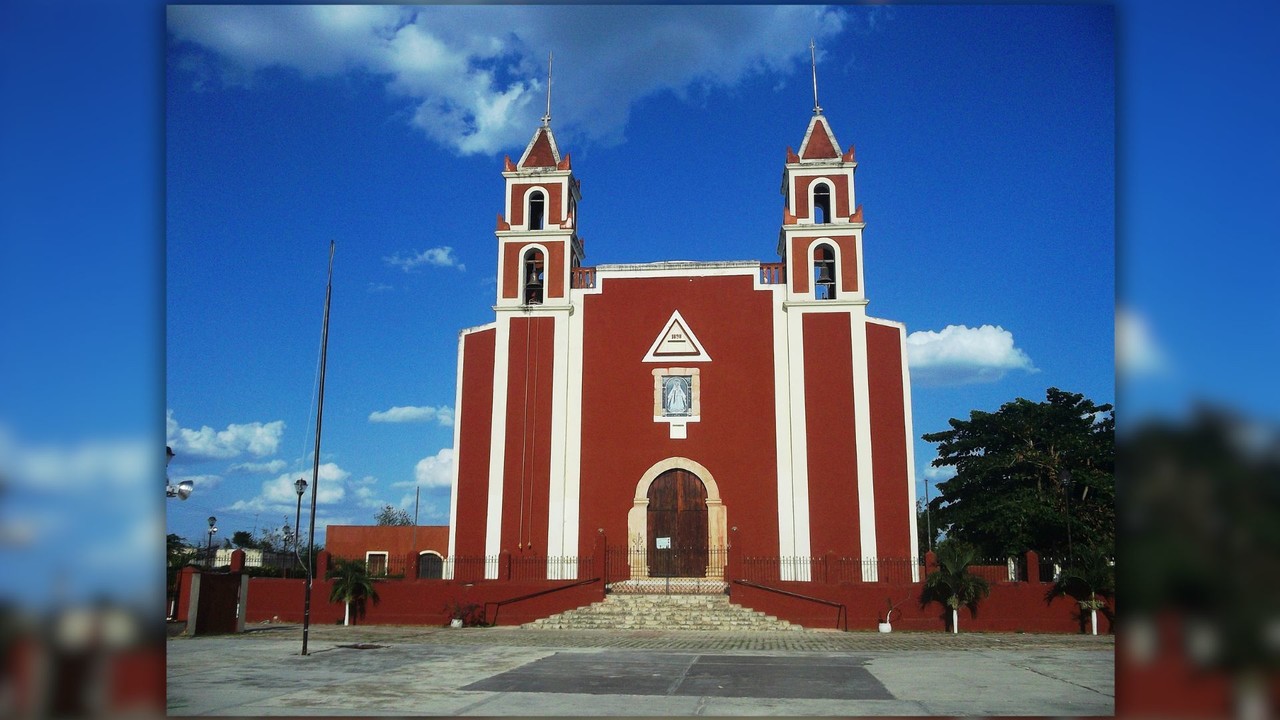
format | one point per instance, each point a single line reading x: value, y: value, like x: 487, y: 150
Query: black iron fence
x: 825, y: 569
x: 622, y: 563
x: 697, y: 568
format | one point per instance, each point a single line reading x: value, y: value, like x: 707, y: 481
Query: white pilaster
x: 793, y: 488
x: 558, y: 541
x: 862, y: 441
x: 457, y: 447
x: 911, y: 452
x: 497, y: 442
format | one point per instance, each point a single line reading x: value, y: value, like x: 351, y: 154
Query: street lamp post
x: 213, y: 530
x: 301, y: 487
x: 182, y: 490
x: 1065, y: 476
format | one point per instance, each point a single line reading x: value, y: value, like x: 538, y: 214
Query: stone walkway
x: 793, y: 640
x: 389, y: 670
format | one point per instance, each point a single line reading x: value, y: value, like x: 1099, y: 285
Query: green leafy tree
x: 389, y: 515
x: 351, y: 586
x: 952, y: 584
x: 244, y: 539
x: 1090, y: 581
x: 1008, y: 494
x: 1202, y: 540
x: 178, y: 552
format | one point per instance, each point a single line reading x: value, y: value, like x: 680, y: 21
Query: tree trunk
x: 346, y: 614
x: 1093, y: 620
x: 955, y: 621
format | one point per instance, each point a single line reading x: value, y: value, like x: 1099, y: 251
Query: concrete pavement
x: 379, y: 670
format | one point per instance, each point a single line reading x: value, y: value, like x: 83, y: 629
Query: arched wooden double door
x: 677, y: 525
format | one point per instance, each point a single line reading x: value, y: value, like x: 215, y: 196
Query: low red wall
x: 418, y: 602
x: 1011, y: 607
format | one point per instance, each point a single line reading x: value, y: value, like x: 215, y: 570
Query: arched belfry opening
x: 537, y: 210
x: 534, y: 274
x: 678, y: 521
x: 821, y: 203
x: 824, y: 272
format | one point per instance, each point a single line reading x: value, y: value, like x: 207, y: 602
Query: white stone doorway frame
x: 638, y: 516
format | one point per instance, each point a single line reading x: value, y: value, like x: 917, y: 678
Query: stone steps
x: 662, y: 612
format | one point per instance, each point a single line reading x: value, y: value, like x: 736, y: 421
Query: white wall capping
x: 911, y: 450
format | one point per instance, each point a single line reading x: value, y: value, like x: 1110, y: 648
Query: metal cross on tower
x: 813, y: 65
x: 546, y: 119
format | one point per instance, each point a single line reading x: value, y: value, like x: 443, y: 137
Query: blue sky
x: 985, y: 141
x: 960, y: 205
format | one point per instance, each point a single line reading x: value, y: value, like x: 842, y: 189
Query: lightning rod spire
x: 546, y: 119
x: 813, y: 64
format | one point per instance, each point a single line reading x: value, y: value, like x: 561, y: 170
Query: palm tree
x: 952, y: 584
x: 1091, y: 577
x: 351, y: 583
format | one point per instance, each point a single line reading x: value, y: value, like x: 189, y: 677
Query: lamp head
x: 301, y: 486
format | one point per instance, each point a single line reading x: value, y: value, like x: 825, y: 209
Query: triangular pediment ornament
x: 819, y: 141
x: 541, y: 152
x: 677, y: 342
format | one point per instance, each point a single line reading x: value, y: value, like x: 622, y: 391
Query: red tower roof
x: 819, y: 142
x: 541, y: 152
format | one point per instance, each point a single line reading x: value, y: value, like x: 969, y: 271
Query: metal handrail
x: 499, y: 603
x: 842, y: 613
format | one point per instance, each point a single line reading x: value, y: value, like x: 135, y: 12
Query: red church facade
x: 684, y: 406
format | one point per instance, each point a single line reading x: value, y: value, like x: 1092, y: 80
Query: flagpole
x: 315, y: 466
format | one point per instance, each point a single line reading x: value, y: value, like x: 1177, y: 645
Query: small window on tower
x: 533, y: 277
x: 537, y: 209
x: 824, y: 273
x: 822, y: 203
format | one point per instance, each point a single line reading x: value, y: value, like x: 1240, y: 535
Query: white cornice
x: 539, y: 172
x: 823, y: 305
x: 544, y: 309
x: 477, y: 328
x: 679, y: 265
x: 842, y: 225
x: 812, y: 164
x: 552, y: 234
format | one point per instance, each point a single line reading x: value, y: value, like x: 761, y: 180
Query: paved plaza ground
x: 381, y: 670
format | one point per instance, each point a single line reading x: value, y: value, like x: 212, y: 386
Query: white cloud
x: 256, y: 438
x: 419, y: 413
x: 436, y: 257
x: 936, y: 475
x: 1138, y: 354
x: 126, y: 462
x: 435, y: 471
x: 379, y: 287
x: 278, y: 494
x: 475, y: 75
x: 960, y: 355
x: 202, y: 482
x: 273, y: 466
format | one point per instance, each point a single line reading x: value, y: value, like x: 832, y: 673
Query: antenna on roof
x: 813, y: 63
x: 546, y: 119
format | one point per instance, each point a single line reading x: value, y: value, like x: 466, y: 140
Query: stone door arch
x: 638, y: 517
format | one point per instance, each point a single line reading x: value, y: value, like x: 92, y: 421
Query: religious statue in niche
x: 677, y: 395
